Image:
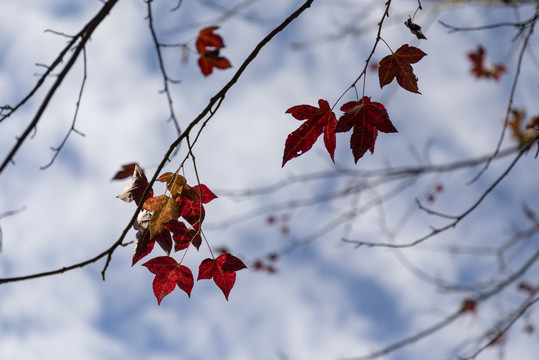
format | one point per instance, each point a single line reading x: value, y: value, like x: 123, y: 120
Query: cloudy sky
x: 328, y: 299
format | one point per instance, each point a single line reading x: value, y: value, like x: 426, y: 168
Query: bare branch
x: 166, y: 78
x: 436, y: 231
x: 80, y: 40
x: 516, y: 78
x: 77, y: 106
x: 455, y: 315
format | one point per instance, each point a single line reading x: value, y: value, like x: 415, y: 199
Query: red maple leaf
x: 208, y: 45
x: 398, y: 65
x: 481, y: 68
x: 208, y: 40
x: 183, y: 236
x: 211, y: 59
x: 192, y: 210
x: 135, y: 190
x: 222, y: 270
x: 168, y: 274
x: 125, y: 172
x: 367, y: 118
x: 164, y: 240
x: 206, y: 194
x: 319, y: 120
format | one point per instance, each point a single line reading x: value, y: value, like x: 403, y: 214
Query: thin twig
x: 450, y: 225
x: 82, y: 37
x: 512, y: 92
x: 452, y: 317
x: 77, y: 106
x: 166, y: 78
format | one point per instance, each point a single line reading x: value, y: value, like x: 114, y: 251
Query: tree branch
x: 83, y: 36
x: 436, y: 231
x: 207, y: 110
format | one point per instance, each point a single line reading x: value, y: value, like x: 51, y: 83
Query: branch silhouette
x: 209, y: 109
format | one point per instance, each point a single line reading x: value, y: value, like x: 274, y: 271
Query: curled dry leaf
x: 415, y: 29
x: 135, y: 190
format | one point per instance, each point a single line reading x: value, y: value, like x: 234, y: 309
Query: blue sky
x: 328, y: 300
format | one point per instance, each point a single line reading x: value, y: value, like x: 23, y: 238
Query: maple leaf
x: 367, y: 118
x: 164, y: 209
x: 222, y: 270
x: 211, y: 59
x: 135, y: 190
x: 205, y: 192
x: 175, y: 182
x: 182, y: 235
x: 168, y: 274
x: 208, y: 45
x: 144, y: 241
x: 319, y: 120
x: 164, y: 240
x: 208, y: 39
x: 191, y: 209
x: 481, y: 68
x: 126, y: 171
x: 398, y: 65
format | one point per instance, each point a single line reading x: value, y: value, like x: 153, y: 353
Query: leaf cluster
x: 174, y: 220
x: 364, y: 117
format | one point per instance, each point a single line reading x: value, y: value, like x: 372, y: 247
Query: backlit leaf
x: 398, y: 65
x: 207, y: 195
x: 230, y: 262
x: 175, y: 182
x: 164, y: 209
x: 366, y: 118
x: 191, y: 209
x: 206, y: 269
x: 182, y: 235
x: 319, y: 120
x: 168, y: 274
x: 222, y: 270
